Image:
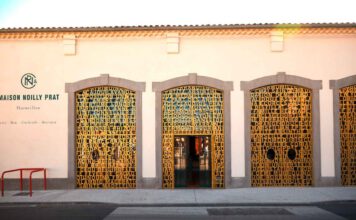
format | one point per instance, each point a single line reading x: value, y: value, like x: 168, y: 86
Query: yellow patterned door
x: 195, y: 111
x: 281, y: 136
x: 347, y: 116
x: 106, y: 138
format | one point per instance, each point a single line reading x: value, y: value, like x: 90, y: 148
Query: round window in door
x: 281, y: 136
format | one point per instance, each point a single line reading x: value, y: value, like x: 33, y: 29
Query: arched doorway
x: 106, y: 137
x: 282, y: 131
x: 347, y: 115
x: 281, y: 136
x: 105, y: 133
x: 344, y: 96
x: 193, y: 132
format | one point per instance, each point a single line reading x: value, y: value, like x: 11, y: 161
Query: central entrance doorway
x: 192, y: 112
x: 192, y: 161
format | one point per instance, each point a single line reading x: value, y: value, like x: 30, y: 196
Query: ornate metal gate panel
x: 347, y: 97
x: 106, y: 138
x: 193, y: 110
x: 281, y: 136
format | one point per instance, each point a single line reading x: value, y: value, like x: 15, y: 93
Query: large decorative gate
x: 281, y: 136
x: 347, y: 99
x: 106, y: 138
x: 193, y: 110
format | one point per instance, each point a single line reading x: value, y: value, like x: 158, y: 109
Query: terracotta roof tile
x: 181, y: 27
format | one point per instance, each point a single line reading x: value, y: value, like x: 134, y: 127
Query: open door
x: 192, y: 161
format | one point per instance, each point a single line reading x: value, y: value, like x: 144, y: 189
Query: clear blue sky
x: 55, y: 13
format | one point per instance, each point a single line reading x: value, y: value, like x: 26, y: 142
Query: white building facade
x: 222, y: 106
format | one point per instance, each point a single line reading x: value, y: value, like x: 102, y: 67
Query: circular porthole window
x: 271, y: 154
x: 291, y: 154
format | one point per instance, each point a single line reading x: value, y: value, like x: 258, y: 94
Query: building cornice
x: 183, y: 31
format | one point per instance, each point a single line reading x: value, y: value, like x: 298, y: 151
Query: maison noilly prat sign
x: 28, y: 81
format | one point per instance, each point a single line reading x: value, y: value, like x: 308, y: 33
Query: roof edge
x: 179, y: 27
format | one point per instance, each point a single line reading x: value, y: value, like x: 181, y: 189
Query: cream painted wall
x: 33, y: 145
x: 233, y: 58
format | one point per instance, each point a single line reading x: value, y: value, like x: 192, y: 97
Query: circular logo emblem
x: 28, y: 81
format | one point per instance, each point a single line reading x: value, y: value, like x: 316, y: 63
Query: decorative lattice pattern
x: 192, y: 110
x: 106, y: 138
x: 347, y: 116
x: 281, y: 136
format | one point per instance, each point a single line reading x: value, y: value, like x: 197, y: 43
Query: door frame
x: 193, y: 79
x: 103, y: 80
x: 336, y: 85
x: 278, y: 161
x: 282, y: 78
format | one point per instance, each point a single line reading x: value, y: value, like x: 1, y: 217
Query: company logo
x: 28, y: 81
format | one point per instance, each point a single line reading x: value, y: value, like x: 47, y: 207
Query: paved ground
x: 243, y: 203
x: 189, y: 197
x: 245, y: 212
x: 93, y: 211
x: 66, y: 211
x: 344, y: 209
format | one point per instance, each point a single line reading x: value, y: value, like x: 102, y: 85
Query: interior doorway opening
x: 192, y: 161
